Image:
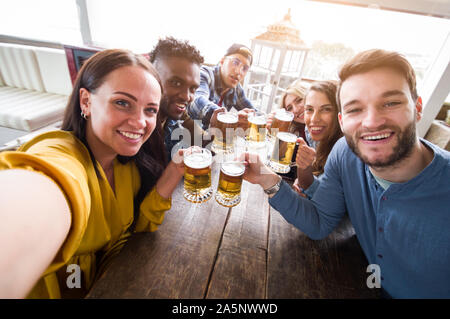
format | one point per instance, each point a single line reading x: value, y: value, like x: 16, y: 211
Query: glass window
x: 49, y: 20
x: 333, y: 32
x: 337, y: 32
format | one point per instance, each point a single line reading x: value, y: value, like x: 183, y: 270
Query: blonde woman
x: 293, y: 100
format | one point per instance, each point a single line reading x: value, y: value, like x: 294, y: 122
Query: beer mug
x: 197, y: 174
x: 283, y: 150
x: 281, y: 122
x: 230, y: 183
x: 257, y: 130
x: 226, y: 123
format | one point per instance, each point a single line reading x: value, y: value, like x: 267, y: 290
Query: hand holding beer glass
x: 281, y: 121
x: 230, y: 183
x: 243, y: 118
x: 257, y: 133
x: 197, y: 174
x: 226, y: 125
x: 305, y: 155
x: 283, y: 150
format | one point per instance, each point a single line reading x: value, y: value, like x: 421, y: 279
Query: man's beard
x: 164, y: 107
x: 405, y: 144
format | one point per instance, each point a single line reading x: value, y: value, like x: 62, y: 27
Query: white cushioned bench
x: 34, y: 86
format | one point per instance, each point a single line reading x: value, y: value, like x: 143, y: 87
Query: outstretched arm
x: 303, y: 213
x: 35, y: 220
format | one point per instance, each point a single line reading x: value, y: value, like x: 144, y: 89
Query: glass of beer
x: 197, y: 174
x: 283, y: 150
x: 226, y: 123
x: 281, y: 121
x: 230, y: 183
x: 257, y: 131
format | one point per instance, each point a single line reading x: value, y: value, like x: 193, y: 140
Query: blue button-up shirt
x: 404, y: 229
x: 208, y: 96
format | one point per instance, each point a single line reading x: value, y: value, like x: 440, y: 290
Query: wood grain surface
x: 248, y: 251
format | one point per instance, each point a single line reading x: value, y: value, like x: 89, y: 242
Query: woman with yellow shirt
x: 71, y: 198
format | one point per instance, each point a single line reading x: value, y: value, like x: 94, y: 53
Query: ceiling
x: 436, y: 8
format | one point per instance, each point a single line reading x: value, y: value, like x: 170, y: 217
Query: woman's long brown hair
x: 324, y: 147
x: 150, y: 159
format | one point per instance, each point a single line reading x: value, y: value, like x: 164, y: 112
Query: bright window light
x: 334, y: 32
x: 49, y: 20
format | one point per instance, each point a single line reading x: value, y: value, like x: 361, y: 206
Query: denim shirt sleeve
x: 202, y: 107
x: 243, y: 101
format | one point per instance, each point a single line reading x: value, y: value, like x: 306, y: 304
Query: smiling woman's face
x: 295, y: 104
x: 121, y: 112
x: 320, y: 115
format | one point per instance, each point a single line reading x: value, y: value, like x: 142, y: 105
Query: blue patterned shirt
x: 169, y: 140
x: 208, y: 96
x: 404, y: 229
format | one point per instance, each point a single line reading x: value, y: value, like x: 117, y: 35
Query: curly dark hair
x: 171, y: 47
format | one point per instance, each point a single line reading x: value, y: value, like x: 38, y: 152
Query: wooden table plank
x: 173, y: 262
x: 240, y: 270
x: 249, y: 251
x: 299, y: 267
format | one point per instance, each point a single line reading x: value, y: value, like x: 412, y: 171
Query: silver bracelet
x: 271, y: 191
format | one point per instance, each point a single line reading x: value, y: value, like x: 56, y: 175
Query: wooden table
x: 248, y: 251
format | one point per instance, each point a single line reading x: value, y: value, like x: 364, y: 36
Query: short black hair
x: 171, y: 47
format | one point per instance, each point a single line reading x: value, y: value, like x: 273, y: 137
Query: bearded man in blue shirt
x: 394, y: 185
x: 220, y: 87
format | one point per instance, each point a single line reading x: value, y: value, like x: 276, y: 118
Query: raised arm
x: 35, y: 220
x: 202, y: 105
x: 304, y: 159
x: 171, y: 176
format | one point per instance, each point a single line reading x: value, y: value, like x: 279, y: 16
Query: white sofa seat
x: 34, y: 86
x: 29, y: 110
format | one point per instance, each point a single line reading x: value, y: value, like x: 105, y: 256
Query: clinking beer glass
x: 226, y: 124
x: 230, y: 183
x: 257, y: 131
x: 281, y: 122
x: 197, y: 174
x: 283, y: 150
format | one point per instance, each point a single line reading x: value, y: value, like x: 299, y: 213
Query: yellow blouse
x: 100, y: 216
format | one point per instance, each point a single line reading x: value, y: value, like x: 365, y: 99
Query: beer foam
x: 284, y: 115
x: 198, y: 160
x: 258, y: 120
x: 227, y: 118
x: 233, y: 168
x: 287, y: 137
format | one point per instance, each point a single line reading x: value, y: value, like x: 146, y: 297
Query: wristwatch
x: 271, y: 191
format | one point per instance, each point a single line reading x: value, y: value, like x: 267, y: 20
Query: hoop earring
x: 84, y: 115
